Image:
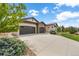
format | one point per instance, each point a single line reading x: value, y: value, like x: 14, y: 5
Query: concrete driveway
x: 51, y: 45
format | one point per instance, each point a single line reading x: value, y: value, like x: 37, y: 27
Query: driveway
x: 51, y: 45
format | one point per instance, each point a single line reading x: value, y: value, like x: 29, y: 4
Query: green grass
x: 70, y: 36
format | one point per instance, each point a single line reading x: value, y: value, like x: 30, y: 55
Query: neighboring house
x: 77, y: 33
x: 31, y: 25
x: 51, y: 26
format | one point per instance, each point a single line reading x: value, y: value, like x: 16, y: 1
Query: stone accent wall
x: 10, y: 34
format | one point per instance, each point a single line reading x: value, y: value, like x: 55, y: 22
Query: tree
x: 59, y: 29
x: 62, y: 27
x: 10, y: 16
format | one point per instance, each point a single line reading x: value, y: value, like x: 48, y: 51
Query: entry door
x: 42, y: 30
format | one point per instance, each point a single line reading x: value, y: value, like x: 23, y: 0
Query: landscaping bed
x: 12, y: 47
x: 70, y: 36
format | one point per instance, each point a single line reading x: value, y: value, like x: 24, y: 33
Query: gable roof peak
x: 26, y: 18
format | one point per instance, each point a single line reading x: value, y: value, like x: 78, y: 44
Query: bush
x: 72, y: 30
x: 53, y: 32
x: 12, y: 47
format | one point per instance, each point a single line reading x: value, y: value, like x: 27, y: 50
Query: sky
x: 66, y: 14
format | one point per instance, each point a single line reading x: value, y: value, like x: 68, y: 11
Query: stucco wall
x: 32, y: 20
x: 40, y: 25
x: 28, y: 24
x: 50, y: 27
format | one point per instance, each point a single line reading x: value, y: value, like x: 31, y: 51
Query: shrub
x: 72, y: 30
x: 12, y: 47
x: 53, y: 32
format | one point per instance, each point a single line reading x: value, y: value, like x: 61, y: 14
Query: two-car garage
x: 27, y: 30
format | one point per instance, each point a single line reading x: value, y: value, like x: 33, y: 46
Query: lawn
x: 71, y: 36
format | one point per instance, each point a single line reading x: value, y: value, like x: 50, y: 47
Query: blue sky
x: 63, y: 14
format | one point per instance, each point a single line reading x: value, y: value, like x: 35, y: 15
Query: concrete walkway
x: 51, y: 45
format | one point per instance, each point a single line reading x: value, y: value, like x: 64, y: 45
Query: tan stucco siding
x: 50, y: 27
x: 32, y: 20
x: 40, y: 25
x: 47, y: 28
x: 28, y: 24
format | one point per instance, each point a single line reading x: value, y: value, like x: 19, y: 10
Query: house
x: 30, y: 26
x: 77, y: 33
x: 51, y: 26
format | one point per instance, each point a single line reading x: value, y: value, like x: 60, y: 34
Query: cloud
x: 34, y: 12
x: 71, y: 3
x: 45, y: 10
x: 57, y: 7
x: 66, y: 16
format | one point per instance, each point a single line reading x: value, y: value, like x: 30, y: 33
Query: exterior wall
x: 31, y: 20
x: 50, y: 27
x: 40, y: 25
x: 28, y: 24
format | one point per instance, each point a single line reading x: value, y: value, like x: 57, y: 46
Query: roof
x: 55, y: 24
x: 51, y: 24
x: 43, y: 23
x: 30, y: 18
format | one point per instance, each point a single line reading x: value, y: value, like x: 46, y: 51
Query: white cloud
x: 56, y: 7
x: 45, y: 10
x: 66, y: 15
x: 71, y: 3
x: 34, y: 12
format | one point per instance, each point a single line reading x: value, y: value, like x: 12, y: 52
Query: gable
x: 31, y: 19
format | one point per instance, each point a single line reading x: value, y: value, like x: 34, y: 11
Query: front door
x: 42, y: 30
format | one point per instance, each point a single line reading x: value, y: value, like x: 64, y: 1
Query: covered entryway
x: 42, y: 30
x: 27, y: 30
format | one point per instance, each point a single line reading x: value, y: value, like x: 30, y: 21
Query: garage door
x: 27, y: 30
x: 42, y: 30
